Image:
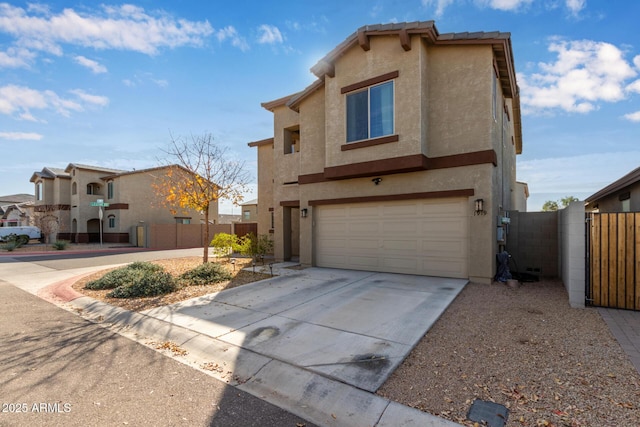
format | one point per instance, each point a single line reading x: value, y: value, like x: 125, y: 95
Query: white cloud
x: 633, y: 117
x: 584, y: 73
x: 20, y: 136
x: 636, y: 61
x: 575, y: 6
x: 90, y: 99
x: 16, y: 58
x: 505, y: 4
x: 634, y: 87
x: 574, y: 176
x: 20, y: 101
x: 231, y: 33
x: 124, y: 27
x: 269, y: 34
x: 94, y: 66
x: 440, y: 5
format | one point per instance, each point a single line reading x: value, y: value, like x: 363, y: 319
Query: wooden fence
x: 613, y: 260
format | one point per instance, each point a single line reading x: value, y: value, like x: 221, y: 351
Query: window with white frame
x: 112, y: 221
x: 370, y: 112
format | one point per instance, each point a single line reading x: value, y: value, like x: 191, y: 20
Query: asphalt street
x: 57, y: 368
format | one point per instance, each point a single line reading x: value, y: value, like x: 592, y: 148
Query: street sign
x: 99, y: 204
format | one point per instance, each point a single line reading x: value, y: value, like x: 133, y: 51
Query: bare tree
x: 47, y: 220
x: 203, y: 173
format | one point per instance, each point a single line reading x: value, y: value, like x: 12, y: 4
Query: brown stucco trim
x: 467, y: 192
x: 386, y: 166
x: 369, y: 142
x: 370, y: 82
x: 311, y: 178
x: 290, y: 203
x: 411, y: 163
x: 465, y: 159
x: 113, y: 206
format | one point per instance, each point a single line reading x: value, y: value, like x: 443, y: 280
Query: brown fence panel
x: 614, y: 260
x: 243, y: 228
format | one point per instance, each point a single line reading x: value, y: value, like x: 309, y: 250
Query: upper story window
x: 292, y: 140
x: 370, y: 112
x: 110, y: 190
x: 39, y: 190
x: 246, y: 215
x: 74, y: 188
x: 93, y: 188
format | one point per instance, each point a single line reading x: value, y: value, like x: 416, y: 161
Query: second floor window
x: 110, y: 190
x: 370, y: 112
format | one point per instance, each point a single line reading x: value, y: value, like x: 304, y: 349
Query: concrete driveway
x: 352, y: 326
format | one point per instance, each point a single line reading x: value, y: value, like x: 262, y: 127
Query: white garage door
x: 427, y: 237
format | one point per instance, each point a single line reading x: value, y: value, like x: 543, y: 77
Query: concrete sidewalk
x: 293, y: 340
x: 625, y: 327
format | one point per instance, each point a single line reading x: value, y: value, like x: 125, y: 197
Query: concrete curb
x: 316, y: 398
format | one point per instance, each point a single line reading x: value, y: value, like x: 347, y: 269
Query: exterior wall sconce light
x: 377, y: 181
x: 304, y: 212
x: 479, y: 207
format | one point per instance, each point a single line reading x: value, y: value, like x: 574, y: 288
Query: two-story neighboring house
x: 400, y: 157
x: 69, y: 198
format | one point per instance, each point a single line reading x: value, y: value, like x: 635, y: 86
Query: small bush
x: 150, y: 284
x: 125, y: 276
x: 13, y: 241
x: 205, y: 274
x: 224, y: 244
x: 10, y: 246
x: 60, y: 245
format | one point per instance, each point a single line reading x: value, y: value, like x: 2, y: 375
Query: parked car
x: 23, y: 234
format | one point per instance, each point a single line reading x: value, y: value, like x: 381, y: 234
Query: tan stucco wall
x: 145, y: 205
x: 443, y: 106
x: 265, y: 187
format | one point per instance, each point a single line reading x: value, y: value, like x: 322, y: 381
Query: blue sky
x: 106, y: 84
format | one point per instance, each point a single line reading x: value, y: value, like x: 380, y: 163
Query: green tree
x: 552, y: 205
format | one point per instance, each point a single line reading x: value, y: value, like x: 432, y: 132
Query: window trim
x: 367, y: 85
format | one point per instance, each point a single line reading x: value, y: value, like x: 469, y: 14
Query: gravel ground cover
x: 523, y: 348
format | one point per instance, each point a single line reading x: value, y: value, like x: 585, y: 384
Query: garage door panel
x: 389, y: 211
x: 428, y: 237
x: 405, y: 227
x: 359, y: 228
x: 395, y: 245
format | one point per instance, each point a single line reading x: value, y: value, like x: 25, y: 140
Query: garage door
x: 427, y: 237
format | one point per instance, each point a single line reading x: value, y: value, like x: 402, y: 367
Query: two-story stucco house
x: 400, y: 157
x: 68, y: 196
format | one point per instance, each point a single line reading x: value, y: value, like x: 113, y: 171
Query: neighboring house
x: 228, y: 218
x: 401, y: 157
x: 16, y: 210
x: 250, y: 211
x: 65, y: 197
x: 522, y: 194
x: 622, y: 195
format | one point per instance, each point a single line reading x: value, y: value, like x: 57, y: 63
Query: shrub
x: 224, y: 244
x: 150, y: 284
x: 125, y: 276
x: 13, y: 241
x: 60, y: 245
x: 205, y: 274
x: 256, y: 246
x: 10, y: 246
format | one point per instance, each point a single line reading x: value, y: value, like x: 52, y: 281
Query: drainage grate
x: 493, y: 414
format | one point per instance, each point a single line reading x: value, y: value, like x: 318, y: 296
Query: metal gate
x: 613, y: 260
